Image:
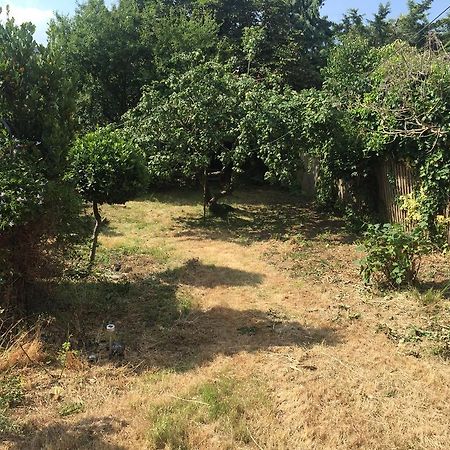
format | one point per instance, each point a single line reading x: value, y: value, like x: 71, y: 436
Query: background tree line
x: 152, y: 92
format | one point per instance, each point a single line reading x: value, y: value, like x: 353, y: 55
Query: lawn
x: 254, y: 332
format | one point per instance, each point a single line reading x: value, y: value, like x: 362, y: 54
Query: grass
x: 251, y: 333
x: 223, y: 403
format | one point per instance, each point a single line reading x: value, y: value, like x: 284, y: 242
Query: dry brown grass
x: 253, y: 334
x: 21, y: 349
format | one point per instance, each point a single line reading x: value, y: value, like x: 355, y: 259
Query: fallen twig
x: 36, y: 362
x: 189, y: 400
x: 253, y: 439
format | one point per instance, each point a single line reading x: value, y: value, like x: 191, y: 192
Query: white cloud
x: 39, y: 17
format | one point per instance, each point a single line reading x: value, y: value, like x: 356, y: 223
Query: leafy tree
x: 213, y: 120
x: 349, y: 66
x: 295, y: 38
x: 106, y: 168
x: 22, y: 185
x: 251, y: 42
x: 103, y: 53
x: 380, y: 27
x: 179, y: 38
x: 187, y: 123
x: 36, y: 207
x: 36, y: 97
x: 411, y: 27
x: 353, y: 21
x: 232, y: 15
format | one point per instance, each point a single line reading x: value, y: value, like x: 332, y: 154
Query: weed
x: 63, y: 351
x: 11, y: 394
x: 71, y: 408
x: 430, y: 297
x: 392, y: 253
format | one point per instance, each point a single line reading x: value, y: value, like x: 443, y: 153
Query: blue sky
x: 40, y: 11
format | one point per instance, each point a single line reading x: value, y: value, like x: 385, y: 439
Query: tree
x: 179, y: 38
x: 353, y: 21
x: 380, y: 28
x: 105, y: 168
x: 36, y: 95
x: 188, y: 123
x: 211, y: 120
x: 103, y: 53
x: 412, y: 26
x: 36, y: 206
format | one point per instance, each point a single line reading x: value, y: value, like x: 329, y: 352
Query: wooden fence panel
x: 396, y: 179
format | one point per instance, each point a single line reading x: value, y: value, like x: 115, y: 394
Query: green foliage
x: 411, y: 26
x: 393, y: 255
x: 179, y: 39
x: 347, y: 68
x: 11, y: 394
x: 187, y: 122
x: 106, y: 167
x: 271, y: 130
x: 35, y: 96
x: 252, y: 40
x: 71, y: 408
x: 390, y: 103
x: 36, y: 105
x: 22, y: 189
x: 102, y: 52
x: 11, y: 391
x: 409, y: 108
x: 209, y: 116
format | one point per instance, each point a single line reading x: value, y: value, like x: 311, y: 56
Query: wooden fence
x: 394, y: 179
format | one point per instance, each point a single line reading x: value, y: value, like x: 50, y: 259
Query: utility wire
x: 427, y: 25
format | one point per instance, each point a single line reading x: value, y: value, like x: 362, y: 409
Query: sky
x: 40, y: 11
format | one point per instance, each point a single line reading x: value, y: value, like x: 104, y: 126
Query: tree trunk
x: 98, y: 223
x: 207, y: 195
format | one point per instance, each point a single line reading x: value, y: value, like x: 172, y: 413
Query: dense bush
x: 105, y: 167
x: 393, y: 254
x: 35, y: 127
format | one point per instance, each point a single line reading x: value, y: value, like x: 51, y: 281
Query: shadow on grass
x: 433, y: 291
x: 88, y: 433
x: 252, y: 223
x: 160, y: 324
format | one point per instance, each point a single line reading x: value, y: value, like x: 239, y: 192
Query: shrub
x: 106, y: 168
x: 393, y: 254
